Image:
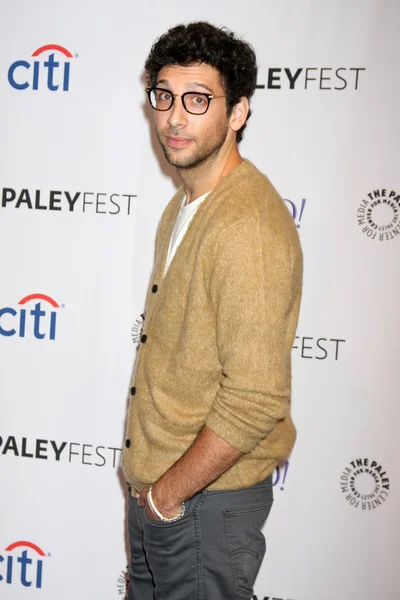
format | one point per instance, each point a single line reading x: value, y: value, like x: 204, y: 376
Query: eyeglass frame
x: 208, y: 96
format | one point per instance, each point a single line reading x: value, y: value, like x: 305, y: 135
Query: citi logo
x: 18, y: 567
x: 41, y: 322
x: 52, y: 73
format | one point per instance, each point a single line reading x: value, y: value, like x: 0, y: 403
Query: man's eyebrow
x: 162, y: 81
x: 199, y: 84
x: 192, y: 84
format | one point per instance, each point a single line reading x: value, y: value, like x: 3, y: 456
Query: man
x: 209, y: 416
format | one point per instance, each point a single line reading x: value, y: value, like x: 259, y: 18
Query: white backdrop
x: 83, y: 187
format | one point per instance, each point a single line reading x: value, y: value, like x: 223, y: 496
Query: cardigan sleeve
x: 255, y: 288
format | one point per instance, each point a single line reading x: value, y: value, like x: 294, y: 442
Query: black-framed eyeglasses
x: 195, y: 103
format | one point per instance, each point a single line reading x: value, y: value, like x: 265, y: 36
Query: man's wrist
x: 178, y: 514
x: 166, y: 504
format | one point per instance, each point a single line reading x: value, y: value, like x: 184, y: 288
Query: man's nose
x: 177, y: 116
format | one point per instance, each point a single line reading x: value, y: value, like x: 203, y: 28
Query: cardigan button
x: 143, y: 338
x: 133, y: 390
x: 127, y: 443
x: 154, y: 289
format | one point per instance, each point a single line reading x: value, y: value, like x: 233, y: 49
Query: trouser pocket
x: 246, y: 543
x: 173, y: 554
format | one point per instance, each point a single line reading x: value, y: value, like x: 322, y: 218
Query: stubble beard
x: 202, y: 152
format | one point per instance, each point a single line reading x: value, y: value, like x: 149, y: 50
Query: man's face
x: 189, y: 140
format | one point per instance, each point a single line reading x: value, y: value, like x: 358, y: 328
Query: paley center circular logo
x: 137, y: 330
x: 365, y: 484
x: 378, y: 215
x: 122, y: 584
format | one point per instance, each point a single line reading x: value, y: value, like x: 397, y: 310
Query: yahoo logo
x: 18, y: 322
x: 30, y: 571
x: 280, y: 475
x: 295, y: 210
x: 21, y: 77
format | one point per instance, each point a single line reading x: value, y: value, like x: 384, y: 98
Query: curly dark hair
x: 201, y: 42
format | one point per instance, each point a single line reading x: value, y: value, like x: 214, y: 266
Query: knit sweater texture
x: 218, y: 333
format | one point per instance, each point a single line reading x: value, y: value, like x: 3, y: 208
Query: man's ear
x: 239, y: 114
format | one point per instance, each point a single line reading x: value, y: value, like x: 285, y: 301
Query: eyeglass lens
x: 194, y: 102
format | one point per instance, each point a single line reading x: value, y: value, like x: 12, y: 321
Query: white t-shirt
x: 185, y: 215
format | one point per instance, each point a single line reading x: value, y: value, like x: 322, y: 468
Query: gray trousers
x: 213, y: 552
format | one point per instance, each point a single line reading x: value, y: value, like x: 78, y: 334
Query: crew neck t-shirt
x: 185, y: 215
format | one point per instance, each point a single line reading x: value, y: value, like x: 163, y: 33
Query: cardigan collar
x: 175, y: 207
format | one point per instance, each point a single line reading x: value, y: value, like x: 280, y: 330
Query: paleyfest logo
x: 99, y: 203
x: 59, y: 451
x: 365, y: 484
x: 52, y: 73
x: 313, y: 78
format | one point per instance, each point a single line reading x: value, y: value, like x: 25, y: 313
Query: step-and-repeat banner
x: 82, y: 187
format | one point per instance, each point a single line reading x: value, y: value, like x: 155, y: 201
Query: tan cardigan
x: 218, y: 335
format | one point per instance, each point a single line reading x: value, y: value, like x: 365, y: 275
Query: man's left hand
x: 142, y: 501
